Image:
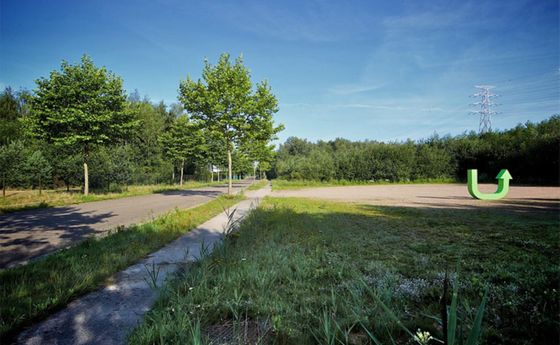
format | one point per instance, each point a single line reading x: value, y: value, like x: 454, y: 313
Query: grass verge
x: 19, y: 200
x: 33, y: 291
x: 297, y: 268
x: 258, y: 185
x: 300, y: 184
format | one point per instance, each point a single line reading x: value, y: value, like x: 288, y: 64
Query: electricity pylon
x: 485, y: 104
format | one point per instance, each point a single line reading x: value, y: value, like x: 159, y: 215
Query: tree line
x: 529, y: 151
x: 79, y: 127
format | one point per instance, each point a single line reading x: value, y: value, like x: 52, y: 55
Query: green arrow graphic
x: 503, y: 185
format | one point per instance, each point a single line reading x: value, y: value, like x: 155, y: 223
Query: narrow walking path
x: 107, y: 316
x: 29, y: 234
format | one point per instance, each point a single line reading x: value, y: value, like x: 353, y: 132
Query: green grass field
x: 33, y: 291
x: 295, y: 274
x: 300, y: 184
x: 17, y: 200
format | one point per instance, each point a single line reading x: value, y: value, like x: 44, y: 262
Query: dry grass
x: 17, y: 200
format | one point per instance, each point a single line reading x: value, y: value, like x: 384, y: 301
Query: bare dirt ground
x: 519, y: 199
x: 29, y: 234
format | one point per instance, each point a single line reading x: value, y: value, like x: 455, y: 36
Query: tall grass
x: 30, y: 292
x: 299, y: 265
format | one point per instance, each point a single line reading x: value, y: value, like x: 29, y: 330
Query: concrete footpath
x: 108, y: 315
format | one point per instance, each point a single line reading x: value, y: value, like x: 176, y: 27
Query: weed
x: 300, y: 264
x: 33, y: 291
x: 153, y: 273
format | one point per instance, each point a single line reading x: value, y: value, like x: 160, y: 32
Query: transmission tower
x: 486, y: 105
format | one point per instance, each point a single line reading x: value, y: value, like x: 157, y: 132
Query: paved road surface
x: 106, y: 316
x: 29, y: 234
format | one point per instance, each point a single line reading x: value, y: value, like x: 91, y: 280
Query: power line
x: 485, y: 112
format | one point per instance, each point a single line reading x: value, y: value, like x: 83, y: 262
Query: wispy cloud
x: 347, y: 89
x: 312, y: 21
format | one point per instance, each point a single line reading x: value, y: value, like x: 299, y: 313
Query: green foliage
x: 38, y: 169
x: 12, y: 109
x: 12, y: 161
x: 530, y: 152
x: 299, y: 265
x: 113, y: 167
x: 183, y: 141
x: 224, y: 102
x: 68, y: 168
x: 80, y: 106
x: 146, y: 153
x: 30, y: 292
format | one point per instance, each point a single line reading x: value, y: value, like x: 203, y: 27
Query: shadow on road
x: 58, y: 227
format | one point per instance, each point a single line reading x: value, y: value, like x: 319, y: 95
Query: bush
x: 530, y: 152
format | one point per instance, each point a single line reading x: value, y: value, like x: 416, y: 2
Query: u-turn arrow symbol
x: 503, y: 185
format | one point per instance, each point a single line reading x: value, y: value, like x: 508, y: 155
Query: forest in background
x: 530, y: 151
x: 141, y: 159
x: 162, y: 144
x: 80, y: 128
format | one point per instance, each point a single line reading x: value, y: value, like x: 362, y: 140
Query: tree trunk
x: 173, y: 176
x: 4, y: 186
x: 229, y: 168
x: 211, y: 173
x: 182, y: 168
x: 40, y: 186
x: 67, y: 187
x: 86, y: 179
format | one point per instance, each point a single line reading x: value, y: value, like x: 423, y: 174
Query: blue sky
x: 381, y: 70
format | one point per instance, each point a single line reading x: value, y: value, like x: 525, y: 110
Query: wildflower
x: 422, y: 338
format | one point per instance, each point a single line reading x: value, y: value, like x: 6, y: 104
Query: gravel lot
x: 519, y: 199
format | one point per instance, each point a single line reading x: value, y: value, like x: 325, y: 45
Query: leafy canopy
x: 80, y: 105
x: 224, y: 102
x: 183, y: 140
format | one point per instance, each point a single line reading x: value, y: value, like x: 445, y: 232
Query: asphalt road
x: 30, y: 234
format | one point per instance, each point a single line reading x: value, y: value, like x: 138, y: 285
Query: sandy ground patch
x: 520, y: 199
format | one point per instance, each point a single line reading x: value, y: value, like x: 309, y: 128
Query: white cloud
x: 347, y: 89
x: 312, y: 21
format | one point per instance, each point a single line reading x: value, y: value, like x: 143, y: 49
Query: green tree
x: 215, y: 151
x: 80, y: 106
x: 11, y: 163
x: 13, y: 106
x: 147, y: 150
x: 67, y: 168
x: 38, y: 169
x: 183, y: 141
x: 226, y: 103
x: 113, y: 168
